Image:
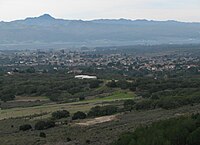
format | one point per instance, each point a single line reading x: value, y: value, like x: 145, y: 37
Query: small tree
x: 79, y: 115
x: 41, y: 125
x: 25, y: 127
x: 60, y: 114
x: 193, y: 138
x: 50, y: 124
x: 112, y: 84
x: 129, y: 105
x: 42, y: 134
x: 81, y: 98
x: 94, y: 84
x: 102, y: 111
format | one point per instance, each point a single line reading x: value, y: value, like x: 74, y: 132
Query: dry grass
x: 20, y: 112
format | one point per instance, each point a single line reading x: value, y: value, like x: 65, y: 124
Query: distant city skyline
x: 180, y: 10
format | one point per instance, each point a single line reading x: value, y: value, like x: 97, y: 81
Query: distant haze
x: 48, y: 32
x: 181, y: 10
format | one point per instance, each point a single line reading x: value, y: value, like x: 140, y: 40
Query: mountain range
x: 48, y: 32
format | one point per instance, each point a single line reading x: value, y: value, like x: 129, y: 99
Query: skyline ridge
x: 51, y: 17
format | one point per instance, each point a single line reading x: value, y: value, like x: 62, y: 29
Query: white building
x: 85, y: 77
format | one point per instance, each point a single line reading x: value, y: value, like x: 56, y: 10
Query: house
x: 85, y: 77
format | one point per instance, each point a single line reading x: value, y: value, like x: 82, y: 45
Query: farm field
x: 115, y: 96
x: 27, y: 98
x: 47, y: 109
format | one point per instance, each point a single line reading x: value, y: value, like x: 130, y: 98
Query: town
x: 76, y: 61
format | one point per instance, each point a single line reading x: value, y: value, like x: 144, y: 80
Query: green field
x: 20, y: 112
x: 71, y: 107
x: 115, y: 96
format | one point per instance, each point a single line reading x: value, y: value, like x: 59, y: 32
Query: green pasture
x: 71, y: 107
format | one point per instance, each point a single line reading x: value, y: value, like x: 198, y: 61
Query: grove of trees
x: 179, y: 131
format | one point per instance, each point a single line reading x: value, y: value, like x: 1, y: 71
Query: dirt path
x: 98, y: 120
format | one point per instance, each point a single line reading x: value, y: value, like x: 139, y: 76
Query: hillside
x: 48, y: 32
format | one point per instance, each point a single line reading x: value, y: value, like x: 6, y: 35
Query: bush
x: 145, y: 105
x: 112, y: 84
x: 50, y: 124
x: 41, y: 125
x: 94, y: 84
x: 69, y: 139
x: 125, y: 139
x: 129, y: 105
x: 102, y: 111
x: 177, y: 131
x: 7, y: 97
x: 60, y: 114
x: 79, y: 115
x: 25, y: 127
x: 81, y: 98
x: 193, y: 138
x: 88, y: 141
x: 42, y: 134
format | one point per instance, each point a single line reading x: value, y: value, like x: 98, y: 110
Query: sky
x: 181, y: 10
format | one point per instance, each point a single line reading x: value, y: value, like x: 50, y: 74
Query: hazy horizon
x: 161, y: 10
x: 96, y: 19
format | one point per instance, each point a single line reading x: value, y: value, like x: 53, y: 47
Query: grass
x: 99, y: 134
x: 20, y: 112
x: 71, y: 107
x: 27, y: 98
x: 118, y: 95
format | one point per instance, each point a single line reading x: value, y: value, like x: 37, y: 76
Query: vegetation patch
x: 180, y: 131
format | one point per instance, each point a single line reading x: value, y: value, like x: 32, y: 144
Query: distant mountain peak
x: 42, y: 17
x: 46, y: 16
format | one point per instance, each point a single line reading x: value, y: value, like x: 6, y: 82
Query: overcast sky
x: 182, y: 10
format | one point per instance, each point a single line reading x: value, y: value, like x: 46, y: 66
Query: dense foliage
x: 79, y: 115
x: 56, y: 87
x: 167, y: 93
x: 102, y: 111
x: 181, y: 131
x: 129, y: 105
x: 41, y: 125
x: 60, y: 114
x: 25, y: 127
x: 42, y: 134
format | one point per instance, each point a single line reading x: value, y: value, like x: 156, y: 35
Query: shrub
x: 129, y: 105
x: 95, y: 84
x: 25, y: 127
x: 145, y: 105
x: 79, y: 115
x: 7, y: 97
x: 102, y: 111
x: 193, y: 138
x: 177, y: 131
x: 41, y: 125
x: 112, y: 84
x: 60, y: 114
x: 88, y: 141
x: 50, y: 124
x: 81, y: 98
x: 42, y: 134
x: 69, y: 139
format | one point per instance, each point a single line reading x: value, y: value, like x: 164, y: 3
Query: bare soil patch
x: 98, y: 120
